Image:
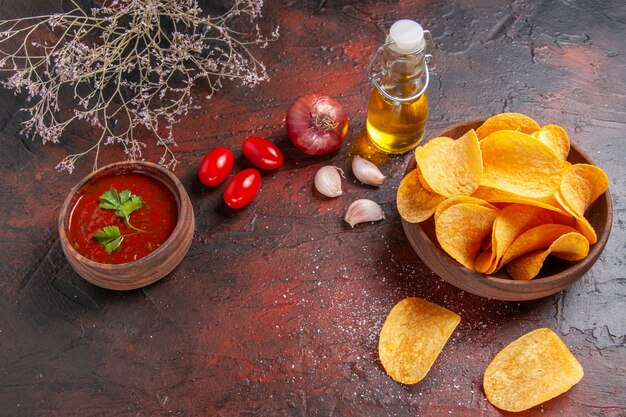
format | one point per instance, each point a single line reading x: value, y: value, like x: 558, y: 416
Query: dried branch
x: 126, y: 65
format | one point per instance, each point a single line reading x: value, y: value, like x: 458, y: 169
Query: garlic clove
x: 328, y: 181
x: 367, y: 172
x: 363, y: 210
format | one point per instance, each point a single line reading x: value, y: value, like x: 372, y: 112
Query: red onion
x: 317, y: 124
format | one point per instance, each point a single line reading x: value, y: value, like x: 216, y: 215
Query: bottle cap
x: 407, y: 36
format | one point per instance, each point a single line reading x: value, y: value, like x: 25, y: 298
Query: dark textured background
x: 276, y: 309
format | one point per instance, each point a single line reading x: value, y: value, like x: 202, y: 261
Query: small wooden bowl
x: 554, y: 276
x: 146, y: 270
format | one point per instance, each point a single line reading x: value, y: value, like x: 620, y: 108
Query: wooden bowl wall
x: 150, y: 268
x: 556, y: 274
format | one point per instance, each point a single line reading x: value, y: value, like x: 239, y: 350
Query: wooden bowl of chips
x: 555, y: 275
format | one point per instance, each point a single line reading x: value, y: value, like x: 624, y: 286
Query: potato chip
x: 587, y: 230
x: 449, y: 202
x: 512, y: 221
x: 580, y: 223
x: 462, y: 228
x: 570, y: 246
x: 531, y: 370
x: 517, y: 163
x: 423, y: 181
x: 563, y: 218
x: 493, y: 195
x: 527, y: 266
x: 507, y: 121
x: 485, y: 262
x: 415, y: 203
x: 540, y: 237
x: 451, y: 167
x: 581, y: 185
x: 412, y: 337
x: 555, y: 138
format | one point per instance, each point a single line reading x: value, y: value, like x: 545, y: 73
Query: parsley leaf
x: 110, y: 237
x: 109, y: 200
x: 133, y: 203
x: 124, y: 195
x: 124, y: 203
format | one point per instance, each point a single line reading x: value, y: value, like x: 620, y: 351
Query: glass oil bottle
x: 398, y: 106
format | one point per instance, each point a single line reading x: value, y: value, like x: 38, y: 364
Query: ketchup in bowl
x: 156, y: 218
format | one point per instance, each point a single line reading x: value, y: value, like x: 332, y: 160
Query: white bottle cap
x: 407, y: 36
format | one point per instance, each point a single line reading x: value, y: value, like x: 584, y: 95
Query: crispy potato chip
x: 581, y: 185
x: 527, y: 266
x: 462, y: 228
x: 415, y: 203
x: 507, y: 121
x: 563, y: 218
x: 517, y: 163
x: 512, y: 221
x: 449, y: 202
x: 587, y: 230
x: 540, y: 237
x: 412, y: 337
x: 493, y: 195
x: 580, y: 223
x: 423, y: 181
x: 451, y: 167
x: 571, y: 247
x: 555, y: 138
x: 485, y: 262
x: 531, y: 370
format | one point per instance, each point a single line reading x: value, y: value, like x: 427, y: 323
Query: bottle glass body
x: 398, y: 126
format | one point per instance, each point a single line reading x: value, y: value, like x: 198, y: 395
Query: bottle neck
x: 403, y: 73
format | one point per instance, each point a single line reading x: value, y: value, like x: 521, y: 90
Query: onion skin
x: 317, y: 124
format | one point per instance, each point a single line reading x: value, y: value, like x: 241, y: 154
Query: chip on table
x: 412, y: 337
x: 531, y: 370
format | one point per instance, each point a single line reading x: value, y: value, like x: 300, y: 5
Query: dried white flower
x: 129, y: 64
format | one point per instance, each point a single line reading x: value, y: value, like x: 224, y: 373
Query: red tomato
x: 262, y: 153
x: 242, y: 188
x: 216, y: 166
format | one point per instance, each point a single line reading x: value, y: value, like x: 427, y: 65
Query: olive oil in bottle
x: 398, y: 106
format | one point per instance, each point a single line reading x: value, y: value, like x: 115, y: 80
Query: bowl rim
x: 175, y: 187
x: 567, y: 276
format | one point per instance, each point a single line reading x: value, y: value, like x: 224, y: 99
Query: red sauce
x: 157, y: 217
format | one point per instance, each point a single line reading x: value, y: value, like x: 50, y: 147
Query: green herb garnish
x: 124, y: 204
x: 109, y: 237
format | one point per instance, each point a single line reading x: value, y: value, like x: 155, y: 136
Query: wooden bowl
x: 554, y: 276
x: 146, y: 270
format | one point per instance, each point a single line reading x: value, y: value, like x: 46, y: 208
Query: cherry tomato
x: 242, y: 188
x: 216, y: 166
x: 262, y: 153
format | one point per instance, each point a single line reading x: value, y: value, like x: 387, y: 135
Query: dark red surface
x: 276, y: 309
